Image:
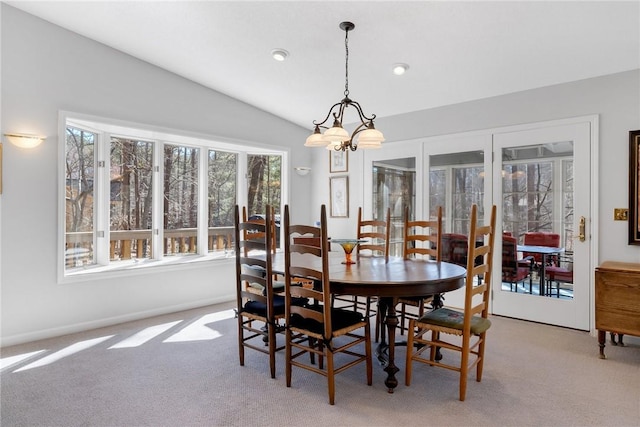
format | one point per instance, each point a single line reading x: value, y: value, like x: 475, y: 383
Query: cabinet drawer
x: 618, y: 299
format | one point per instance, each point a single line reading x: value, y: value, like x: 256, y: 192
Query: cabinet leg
x: 619, y: 341
x: 602, y: 338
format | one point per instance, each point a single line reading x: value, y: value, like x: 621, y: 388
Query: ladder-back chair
x: 469, y: 326
x: 314, y: 328
x: 422, y: 239
x: 256, y: 300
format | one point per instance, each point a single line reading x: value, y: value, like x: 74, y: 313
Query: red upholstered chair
x: 513, y: 270
x: 540, y: 238
x: 562, y: 274
x: 454, y: 248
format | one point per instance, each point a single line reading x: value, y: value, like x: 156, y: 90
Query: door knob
x: 581, y: 229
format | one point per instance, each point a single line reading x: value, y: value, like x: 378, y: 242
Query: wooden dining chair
x: 377, y: 233
x: 469, y: 325
x: 260, y: 235
x: 256, y: 300
x: 318, y: 328
x: 422, y: 239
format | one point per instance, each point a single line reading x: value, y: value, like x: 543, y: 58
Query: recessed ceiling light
x: 279, y: 54
x: 400, y: 69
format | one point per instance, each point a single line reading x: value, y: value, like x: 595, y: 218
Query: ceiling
x: 456, y: 51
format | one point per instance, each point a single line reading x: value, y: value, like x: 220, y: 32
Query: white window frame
x: 105, y: 128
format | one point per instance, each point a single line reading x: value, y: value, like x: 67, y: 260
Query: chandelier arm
x: 360, y: 128
x: 328, y: 114
x: 363, y: 117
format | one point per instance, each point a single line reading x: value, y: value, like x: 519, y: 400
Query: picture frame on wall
x: 338, y: 161
x: 339, y: 196
x: 634, y: 187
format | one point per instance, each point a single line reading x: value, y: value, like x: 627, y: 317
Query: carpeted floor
x: 182, y: 370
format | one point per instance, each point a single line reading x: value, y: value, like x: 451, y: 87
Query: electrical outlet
x: 620, y: 214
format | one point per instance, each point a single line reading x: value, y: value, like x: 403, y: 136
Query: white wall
x: 46, y: 69
x: 615, y: 98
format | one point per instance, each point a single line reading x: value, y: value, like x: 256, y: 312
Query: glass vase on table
x: 348, y: 245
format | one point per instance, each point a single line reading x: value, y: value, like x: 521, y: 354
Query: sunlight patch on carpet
x: 6, y: 362
x: 200, y: 330
x: 65, y: 352
x: 144, y: 335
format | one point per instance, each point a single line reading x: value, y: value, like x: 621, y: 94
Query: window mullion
x: 102, y: 241
x: 243, y: 180
x: 157, y: 233
x: 203, y: 205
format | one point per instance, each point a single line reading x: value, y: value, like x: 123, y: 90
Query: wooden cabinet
x: 617, y: 300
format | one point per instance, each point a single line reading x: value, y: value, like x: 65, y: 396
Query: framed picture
x: 338, y: 161
x: 634, y: 187
x: 339, y: 193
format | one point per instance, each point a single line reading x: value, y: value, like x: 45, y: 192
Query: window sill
x: 146, y: 266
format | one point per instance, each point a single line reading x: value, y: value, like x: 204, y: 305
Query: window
x: 527, y: 190
x: 394, y: 187
x: 222, y: 199
x: 130, y: 207
x: 456, y: 181
x: 135, y: 197
x: 79, y: 200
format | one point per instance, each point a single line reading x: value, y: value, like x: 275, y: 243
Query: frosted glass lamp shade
x: 370, y: 138
x: 315, y: 140
x: 336, y: 135
x: 23, y: 140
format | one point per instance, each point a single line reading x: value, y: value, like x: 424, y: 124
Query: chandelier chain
x: 346, y: 63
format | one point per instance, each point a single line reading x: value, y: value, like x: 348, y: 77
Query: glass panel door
x: 394, y: 187
x: 459, y: 176
x: 393, y: 179
x: 541, y: 184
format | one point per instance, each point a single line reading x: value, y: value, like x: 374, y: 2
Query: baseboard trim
x: 110, y: 321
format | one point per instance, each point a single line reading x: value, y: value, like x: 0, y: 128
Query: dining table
x: 387, y: 279
x: 544, y: 251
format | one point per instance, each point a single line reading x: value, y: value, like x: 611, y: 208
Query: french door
x: 393, y: 178
x: 550, y: 161
x: 541, y: 182
x: 459, y: 176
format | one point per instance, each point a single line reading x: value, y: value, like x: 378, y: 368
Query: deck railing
x: 129, y: 244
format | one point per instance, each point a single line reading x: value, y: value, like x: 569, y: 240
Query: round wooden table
x: 372, y: 276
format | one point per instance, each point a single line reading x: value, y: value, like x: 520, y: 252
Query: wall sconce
x: 23, y: 140
x: 302, y: 170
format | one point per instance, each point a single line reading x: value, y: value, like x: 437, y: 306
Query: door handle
x: 581, y: 229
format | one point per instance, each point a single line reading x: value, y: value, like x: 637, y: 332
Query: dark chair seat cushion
x: 260, y: 308
x: 455, y: 319
x: 339, y: 319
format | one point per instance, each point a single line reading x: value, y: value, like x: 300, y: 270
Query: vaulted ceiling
x: 456, y: 51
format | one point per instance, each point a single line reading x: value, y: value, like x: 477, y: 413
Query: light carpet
x: 182, y: 369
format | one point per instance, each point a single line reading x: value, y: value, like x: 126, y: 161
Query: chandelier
x: 336, y: 137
